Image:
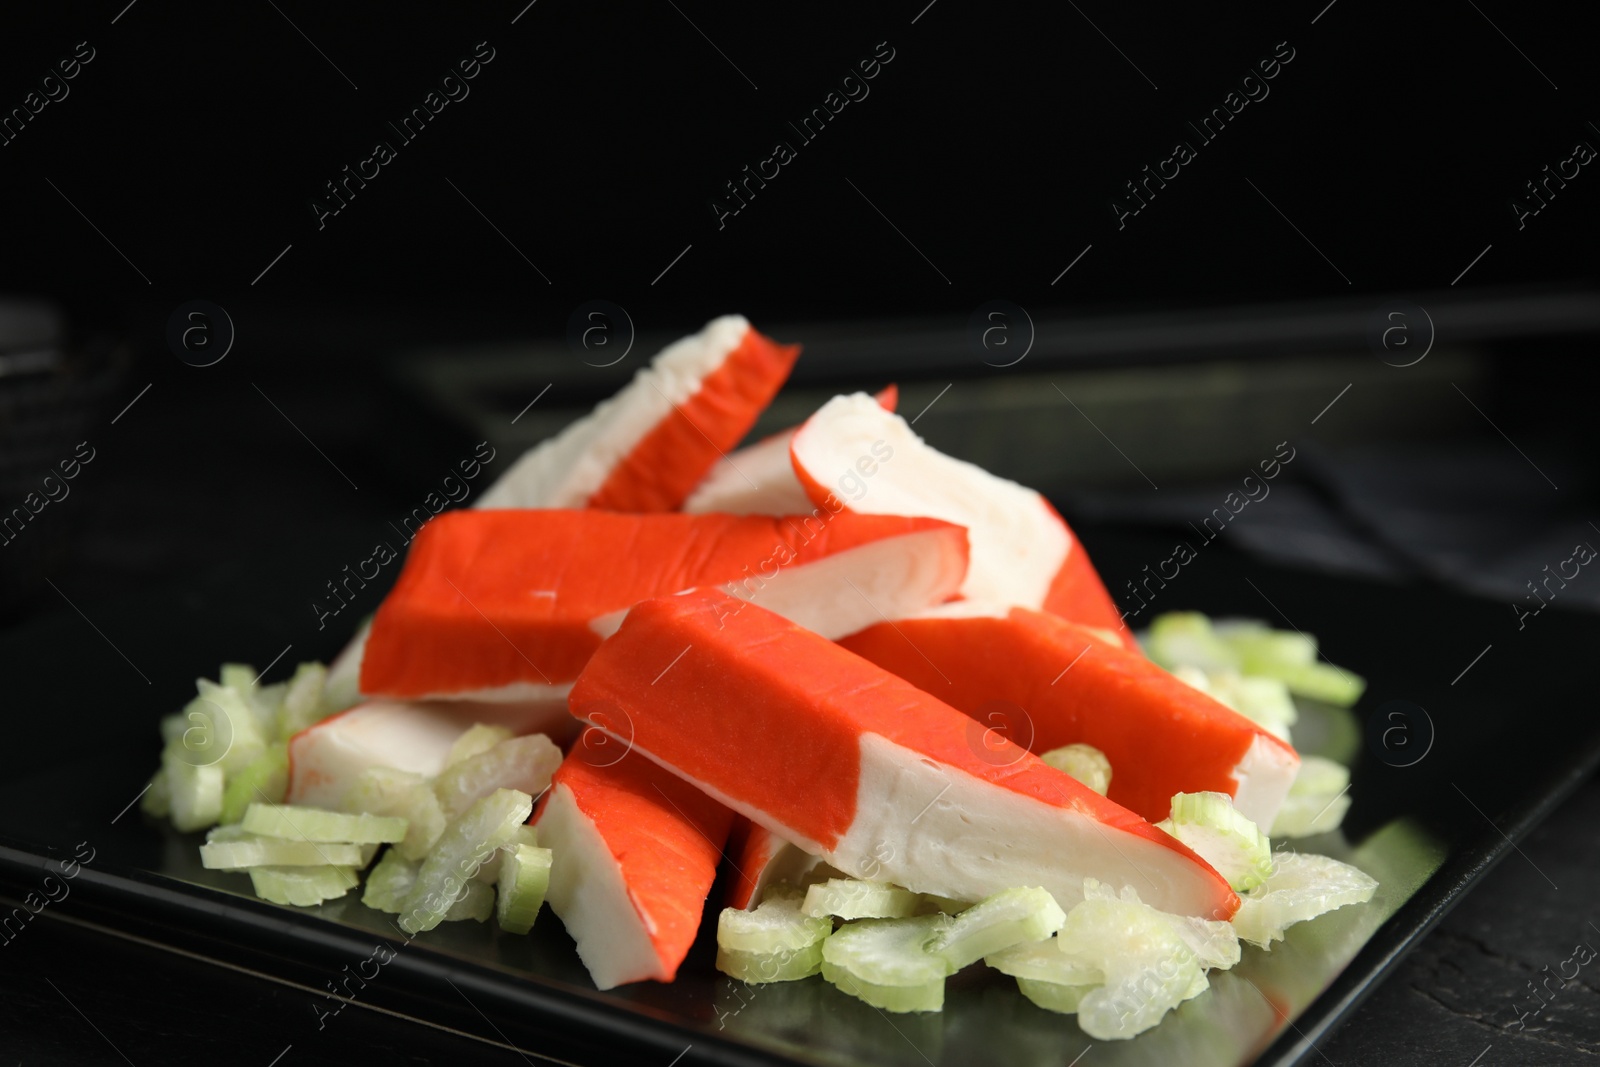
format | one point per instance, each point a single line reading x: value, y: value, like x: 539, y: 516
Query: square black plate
x: 1506, y: 739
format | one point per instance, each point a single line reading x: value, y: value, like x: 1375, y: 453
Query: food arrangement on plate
x: 882, y: 692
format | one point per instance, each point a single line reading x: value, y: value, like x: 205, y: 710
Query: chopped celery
x: 194, y: 792
x: 1209, y: 824
x: 1263, y: 650
x: 1185, y: 638
x: 1052, y: 996
x: 387, y: 791
x: 302, y: 701
x: 157, y: 799
x: 1213, y: 941
x: 303, y: 886
x: 1300, y: 888
x: 777, y: 924
x: 276, y: 852
x: 1084, y: 762
x: 315, y: 824
x: 1009, y: 917
x: 758, y: 968
x: 932, y: 902
x: 478, y: 739
x: 477, y: 904
x: 887, y: 962
x: 849, y: 898
x: 389, y: 883
x: 1043, y: 961
x: 1324, y: 682
x: 524, y: 878
x: 1149, y: 968
x: 466, y: 844
x: 226, y: 729
x: 1317, y: 801
x: 525, y: 764
x: 265, y: 779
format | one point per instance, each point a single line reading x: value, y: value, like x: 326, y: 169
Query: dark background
x: 1382, y: 167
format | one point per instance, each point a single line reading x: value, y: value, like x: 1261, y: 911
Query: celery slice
x: 390, y: 882
x: 477, y: 904
x: 226, y: 729
x: 1300, y: 888
x: 887, y: 962
x: 478, y: 739
x: 276, y: 852
x: 1009, y: 917
x: 265, y: 779
x: 525, y: 764
x: 524, y: 878
x: 315, y: 824
x: 1044, y: 961
x: 194, y: 791
x: 932, y: 902
x: 1052, y: 996
x: 759, y: 968
x: 1317, y: 801
x: 302, y: 700
x: 1324, y: 682
x: 387, y: 791
x: 1084, y: 762
x: 849, y: 898
x: 302, y: 886
x: 1149, y: 968
x: 777, y: 924
x: 1213, y: 941
x: 1263, y: 650
x: 1185, y: 638
x: 157, y: 799
x: 1209, y: 824
x: 466, y: 844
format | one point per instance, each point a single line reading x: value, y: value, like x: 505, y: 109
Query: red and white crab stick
x: 860, y: 767
x: 1045, y: 682
x: 647, y: 447
x: 510, y: 604
x: 852, y: 454
x: 759, y: 479
x: 635, y: 852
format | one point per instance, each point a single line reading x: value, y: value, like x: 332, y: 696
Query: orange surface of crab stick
x: 635, y: 850
x: 858, y: 766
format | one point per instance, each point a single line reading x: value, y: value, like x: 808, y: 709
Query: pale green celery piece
x: 759, y: 968
x: 1063, y: 999
x: 932, y: 902
x: 525, y: 764
x: 1185, y: 638
x: 276, y: 852
x: 240, y: 677
x: 1300, y: 888
x: 888, y: 962
x: 1325, y: 682
x: 1009, y: 917
x: 194, y: 792
x: 1319, y: 777
x: 1084, y: 762
x: 1307, y: 816
x: 1149, y: 969
x: 315, y: 824
x: 303, y: 705
x: 235, y: 738
x: 390, y: 882
x: 230, y: 832
x: 477, y: 904
x: 466, y: 844
x: 1044, y: 961
x: 157, y: 800
x: 479, y: 738
x: 1209, y: 824
x: 1263, y: 650
x: 778, y: 924
x: 302, y: 886
x: 521, y: 886
x: 264, y: 780
x: 849, y: 898
x: 387, y: 791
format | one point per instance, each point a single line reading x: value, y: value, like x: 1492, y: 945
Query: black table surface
x: 268, y: 524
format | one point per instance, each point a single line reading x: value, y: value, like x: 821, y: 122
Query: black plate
x: 1511, y: 737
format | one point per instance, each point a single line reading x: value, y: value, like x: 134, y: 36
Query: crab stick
x: 326, y: 758
x: 854, y: 455
x: 1066, y: 685
x: 759, y: 479
x: 635, y: 850
x: 760, y: 858
x: 647, y: 447
x: 511, y: 604
x: 860, y: 767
